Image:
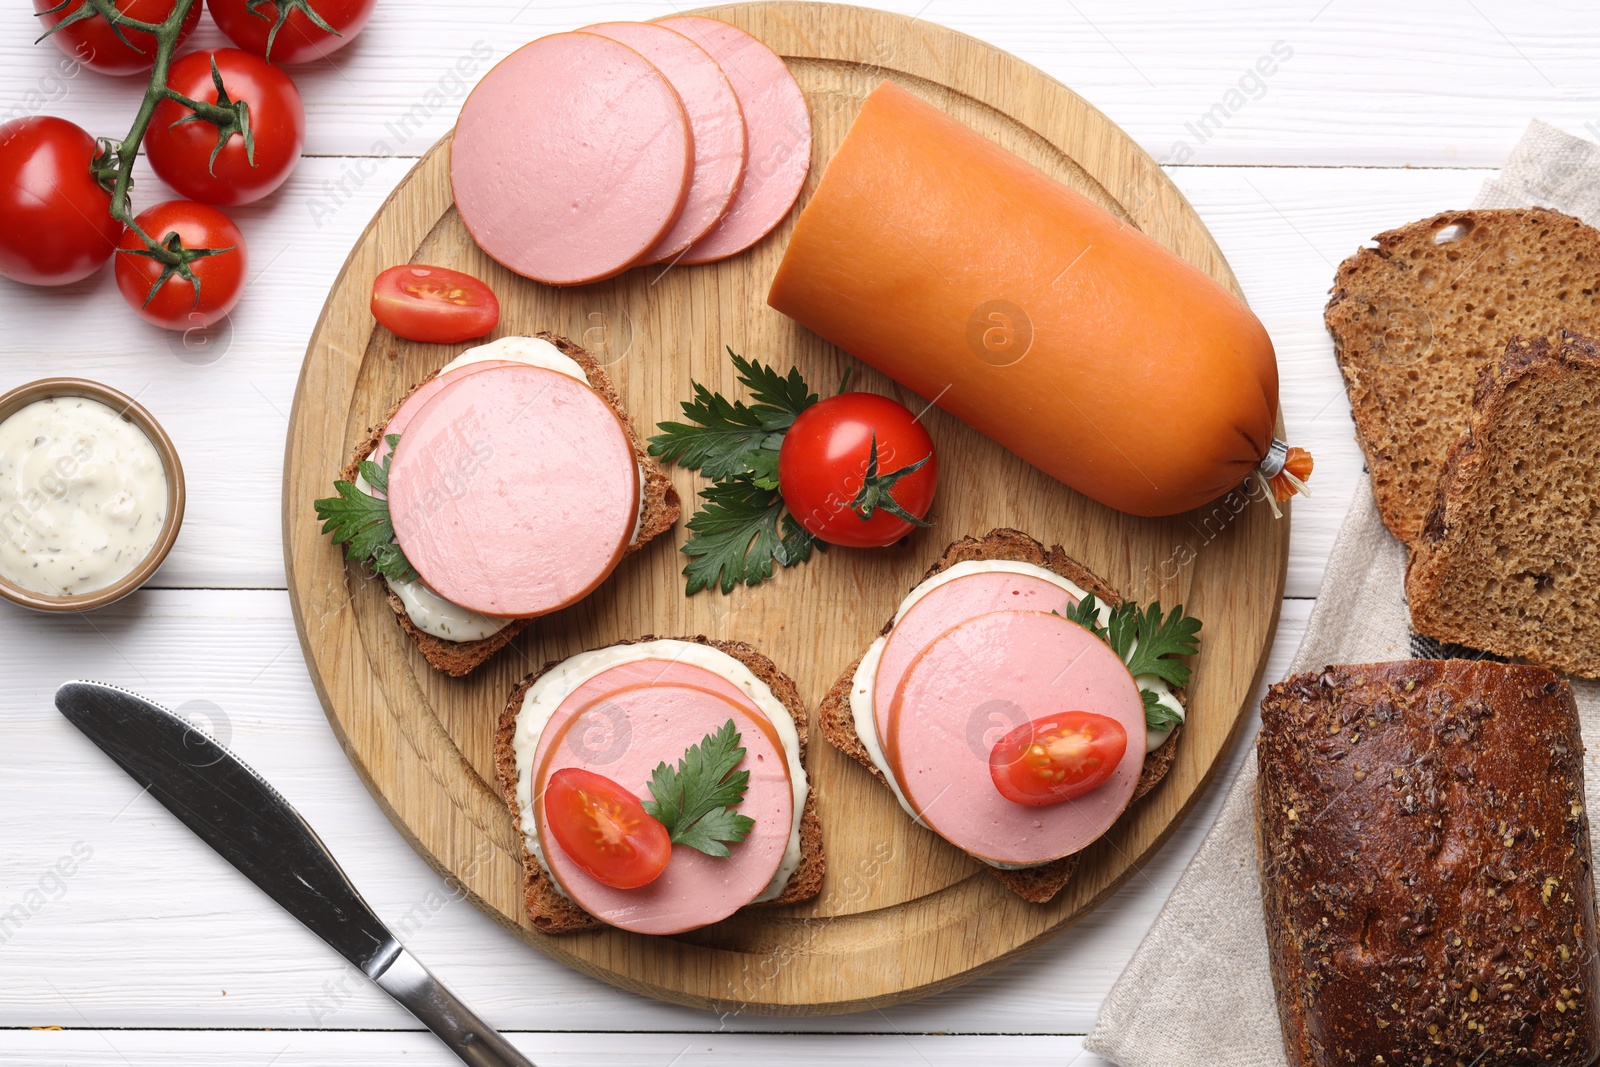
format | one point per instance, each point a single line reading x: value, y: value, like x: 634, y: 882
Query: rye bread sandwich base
x: 554, y: 913
x: 1509, y: 560
x: 1415, y: 319
x: 658, y: 513
x: 835, y: 719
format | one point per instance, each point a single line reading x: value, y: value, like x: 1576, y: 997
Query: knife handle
x: 423, y: 995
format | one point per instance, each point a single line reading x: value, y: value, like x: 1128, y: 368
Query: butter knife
x: 232, y: 809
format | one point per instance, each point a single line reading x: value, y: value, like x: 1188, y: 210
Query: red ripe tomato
x: 433, y: 304
x: 298, y: 39
x: 828, y: 478
x: 96, y: 45
x: 181, y: 151
x: 1057, y: 758
x: 55, y: 217
x: 167, y: 298
x: 605, y: 829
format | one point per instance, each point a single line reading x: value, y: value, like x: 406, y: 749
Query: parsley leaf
x: 361, y: 522
x: 1149, y: 643
x: 695, y: 800
x: 723, y: 437
x: 1086, y: 613
x: 1157, y: 716
x: 737, y: 536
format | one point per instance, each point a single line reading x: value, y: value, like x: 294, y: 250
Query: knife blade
x: 232, y: 808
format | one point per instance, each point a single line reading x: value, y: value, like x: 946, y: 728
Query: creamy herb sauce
x: 83, y: 496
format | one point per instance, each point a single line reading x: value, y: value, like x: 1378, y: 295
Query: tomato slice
x: 433, y: 304
x: 605, y: 829
x: 1057, y: 757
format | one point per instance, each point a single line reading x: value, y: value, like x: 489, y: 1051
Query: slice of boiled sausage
x: 965, y: 691
x: 415, y: 402
x: 943, y: 607
x: 661, y: 722
x: 571, y: 159
x: 514, y: 490
x: 777, y: 125
x: 715, y: 120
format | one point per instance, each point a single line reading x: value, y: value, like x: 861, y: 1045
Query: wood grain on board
x: 901, y: 914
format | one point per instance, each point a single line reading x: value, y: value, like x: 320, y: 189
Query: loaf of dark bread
x: 1425, y: 867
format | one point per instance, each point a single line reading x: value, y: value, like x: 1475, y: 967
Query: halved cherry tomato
x: 433, y: 304
x: 827, y: 477
x: 1057, y: 757
x: 605, y: 829
x: 93, y: 42
x: 249, y: 24
x: 167, y: 298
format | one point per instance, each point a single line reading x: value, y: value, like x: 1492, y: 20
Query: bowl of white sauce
x: 91, y: 495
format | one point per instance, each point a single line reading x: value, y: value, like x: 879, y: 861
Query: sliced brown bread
x: 556, y: 914
x: 1037, y: 884
x: 660, y: 512
x: 1509, y: 560
x: 1415, y: 319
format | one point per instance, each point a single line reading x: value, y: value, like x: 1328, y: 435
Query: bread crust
x: 1425, y: 866
x: 659, y: 513
x: 554, y: 913
x: 837, y: 723
x: 1414, y: 320
x: 1462, y: 548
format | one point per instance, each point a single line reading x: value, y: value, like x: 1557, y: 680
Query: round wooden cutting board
x: 901, y: 914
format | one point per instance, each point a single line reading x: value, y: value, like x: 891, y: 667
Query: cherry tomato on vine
x: 605, y: 829
x: 433, y: 304
x: 92, y: 41
x: 55, y: 216
x: 858, y: 469
x: 1057, y: 757
x: 249, y: 24
x: 166, y: 297
x: 183, y: 149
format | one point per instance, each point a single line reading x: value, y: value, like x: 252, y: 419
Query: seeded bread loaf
x: 1415, y: 319
x: 837, y: 722
x: 658, y: 513
x: 1509, y: 561
x: 1425, y: 867
x: 553, y: 912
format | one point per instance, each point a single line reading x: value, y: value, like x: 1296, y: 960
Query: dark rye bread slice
x: 660, y: 512
x: 1509, y: 561
x: 1036, y: 884
x: 1415, y: 320
x: 556, y: 914
x: 1425, y: 868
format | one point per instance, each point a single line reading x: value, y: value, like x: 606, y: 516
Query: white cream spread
x: 865, y: 680
x: 559, y: 682
x: 427, y: 610
x: 83, y: 496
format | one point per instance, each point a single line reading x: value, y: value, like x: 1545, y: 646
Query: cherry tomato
x: 96, y: 45
x: 824, y: 470
x: 1057, y: 758
x: 55, y: 217
x: 605, y: 829
x: 299, y: 39
x: 433, y: 304
x: 180, y: 151
x: 177, y: 303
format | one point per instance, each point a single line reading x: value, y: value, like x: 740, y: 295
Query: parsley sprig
x: 695, y: 799
x: 1150, y: 643
x: 361, y: 521
x: 741, y: 533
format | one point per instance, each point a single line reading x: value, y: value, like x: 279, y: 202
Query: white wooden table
x: 155, y: 952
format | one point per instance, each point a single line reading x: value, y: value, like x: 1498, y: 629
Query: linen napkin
x: 1198, y: 991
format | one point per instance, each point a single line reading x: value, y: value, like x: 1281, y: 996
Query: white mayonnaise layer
x: 427, y: 610
x: 83, y: 496
x: 559, y: 682
x: 865, y: 681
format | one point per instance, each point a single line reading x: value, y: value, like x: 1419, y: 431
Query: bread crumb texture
x: 1425, y: 866
x: 1415, y: 319
x: 1509, y: 560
